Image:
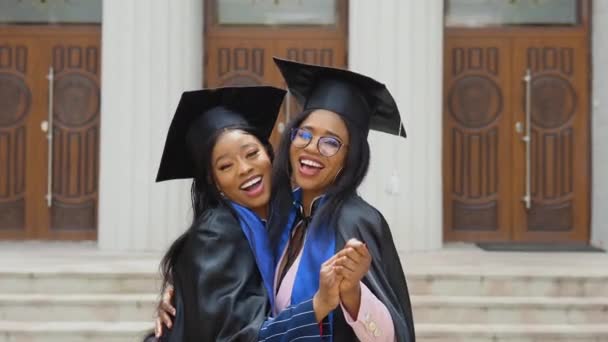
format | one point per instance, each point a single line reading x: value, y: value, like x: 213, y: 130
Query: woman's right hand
x: 164, y: 312
x: 327, y: 297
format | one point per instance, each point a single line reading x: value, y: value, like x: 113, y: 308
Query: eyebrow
x: 244, y: 146
x: 327, y: 131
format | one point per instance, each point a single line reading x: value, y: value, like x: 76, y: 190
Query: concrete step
x: 510, y: 310
x: 427, y: 309
x: 73, y: 331
x: 74, y: 282
x: 134, y: 331
x: 506, y: 284
x: 448, y: 284
x: 78, y: 307
x: 510, y: 333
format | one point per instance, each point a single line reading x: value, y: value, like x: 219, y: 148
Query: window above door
x: 265, y: 19
x: 276, y: 12
x: 483, y: 13
x: 50, y: 11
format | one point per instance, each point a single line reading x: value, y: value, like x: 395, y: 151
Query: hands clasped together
x: 339, y: 283
x: 340, y: 278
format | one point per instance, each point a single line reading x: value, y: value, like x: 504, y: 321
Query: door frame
x: 509, y: 31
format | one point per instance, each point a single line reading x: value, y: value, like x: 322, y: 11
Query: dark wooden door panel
x: 239, y: 62
x: 15, y: 111
x: 242, y: 55
x: 327, y: 52
x: 21, y: 160
x: 559, y: 140
x: 26, y: 54
x: 476, y: 139
x: 76, y: 62
x: 484, y: 73
x: 244, y: 61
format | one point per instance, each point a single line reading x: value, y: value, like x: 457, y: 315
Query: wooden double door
x: 516, y: 135
x: 242, y: 54
x: 49, y: 131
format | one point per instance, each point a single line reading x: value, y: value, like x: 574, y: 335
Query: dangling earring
x: 292, y: 180
x: 337, y: 174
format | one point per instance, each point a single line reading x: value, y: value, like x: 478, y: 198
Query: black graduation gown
x: 219, y: 293
x: 358, y: 219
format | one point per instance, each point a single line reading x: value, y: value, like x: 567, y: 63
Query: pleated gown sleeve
x: 386, y: 279
x: 219, y: 292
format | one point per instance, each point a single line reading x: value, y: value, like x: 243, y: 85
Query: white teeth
x: 251, y: 182
x: 311, y: 163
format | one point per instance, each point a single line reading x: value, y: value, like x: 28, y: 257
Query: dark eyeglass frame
x: 294, y: 134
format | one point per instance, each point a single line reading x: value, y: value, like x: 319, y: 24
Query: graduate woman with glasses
x: 325, y: 152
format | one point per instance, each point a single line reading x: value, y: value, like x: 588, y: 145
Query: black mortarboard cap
x: 359, y: 99
x: 211, y: 110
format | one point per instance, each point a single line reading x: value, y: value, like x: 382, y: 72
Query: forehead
x: 233, y: 141
x: 323, y: 121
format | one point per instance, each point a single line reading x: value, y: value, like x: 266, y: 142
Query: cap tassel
x: 392, y: 186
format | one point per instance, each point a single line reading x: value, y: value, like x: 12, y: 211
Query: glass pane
x: 511, y: 12
x: 50, y: 11
x: 276, y: 12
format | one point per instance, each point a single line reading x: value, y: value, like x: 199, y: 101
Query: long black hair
x: 204, y: 192
x: 346, y: 183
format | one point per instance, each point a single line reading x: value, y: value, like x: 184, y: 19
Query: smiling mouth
x: 309, y: 163
x: 252, y: 183
x: 253, y: 187
x: 309, y: 167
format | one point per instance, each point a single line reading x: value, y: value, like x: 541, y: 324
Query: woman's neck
x: 262, y: 212
x: 308, y: 197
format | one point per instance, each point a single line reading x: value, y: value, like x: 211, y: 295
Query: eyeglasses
x: 328, y: 146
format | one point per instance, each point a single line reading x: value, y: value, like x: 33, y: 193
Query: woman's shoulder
x: 216, y: 213
x: 218, y: 220
x: 358, y: 214
x: 361, y: 209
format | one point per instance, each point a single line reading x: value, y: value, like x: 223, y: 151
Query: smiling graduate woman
x: 222, y: 267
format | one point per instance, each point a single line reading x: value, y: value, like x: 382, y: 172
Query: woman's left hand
x: 352, y: 265
x: 164, y: 311
x: 354, y: 262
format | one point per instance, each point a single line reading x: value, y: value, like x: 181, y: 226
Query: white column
x: 599, y: 124
x: 152, y: 51
x: 401, y: 44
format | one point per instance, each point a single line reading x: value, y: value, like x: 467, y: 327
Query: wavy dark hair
x: 355, y: 168
x: 204, y: 192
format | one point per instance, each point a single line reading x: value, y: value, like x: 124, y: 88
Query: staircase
x: 473, y: 296
x: 477, y: 296
x: 75, y: 293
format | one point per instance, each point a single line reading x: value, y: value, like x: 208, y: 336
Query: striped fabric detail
x: 296, y: 323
